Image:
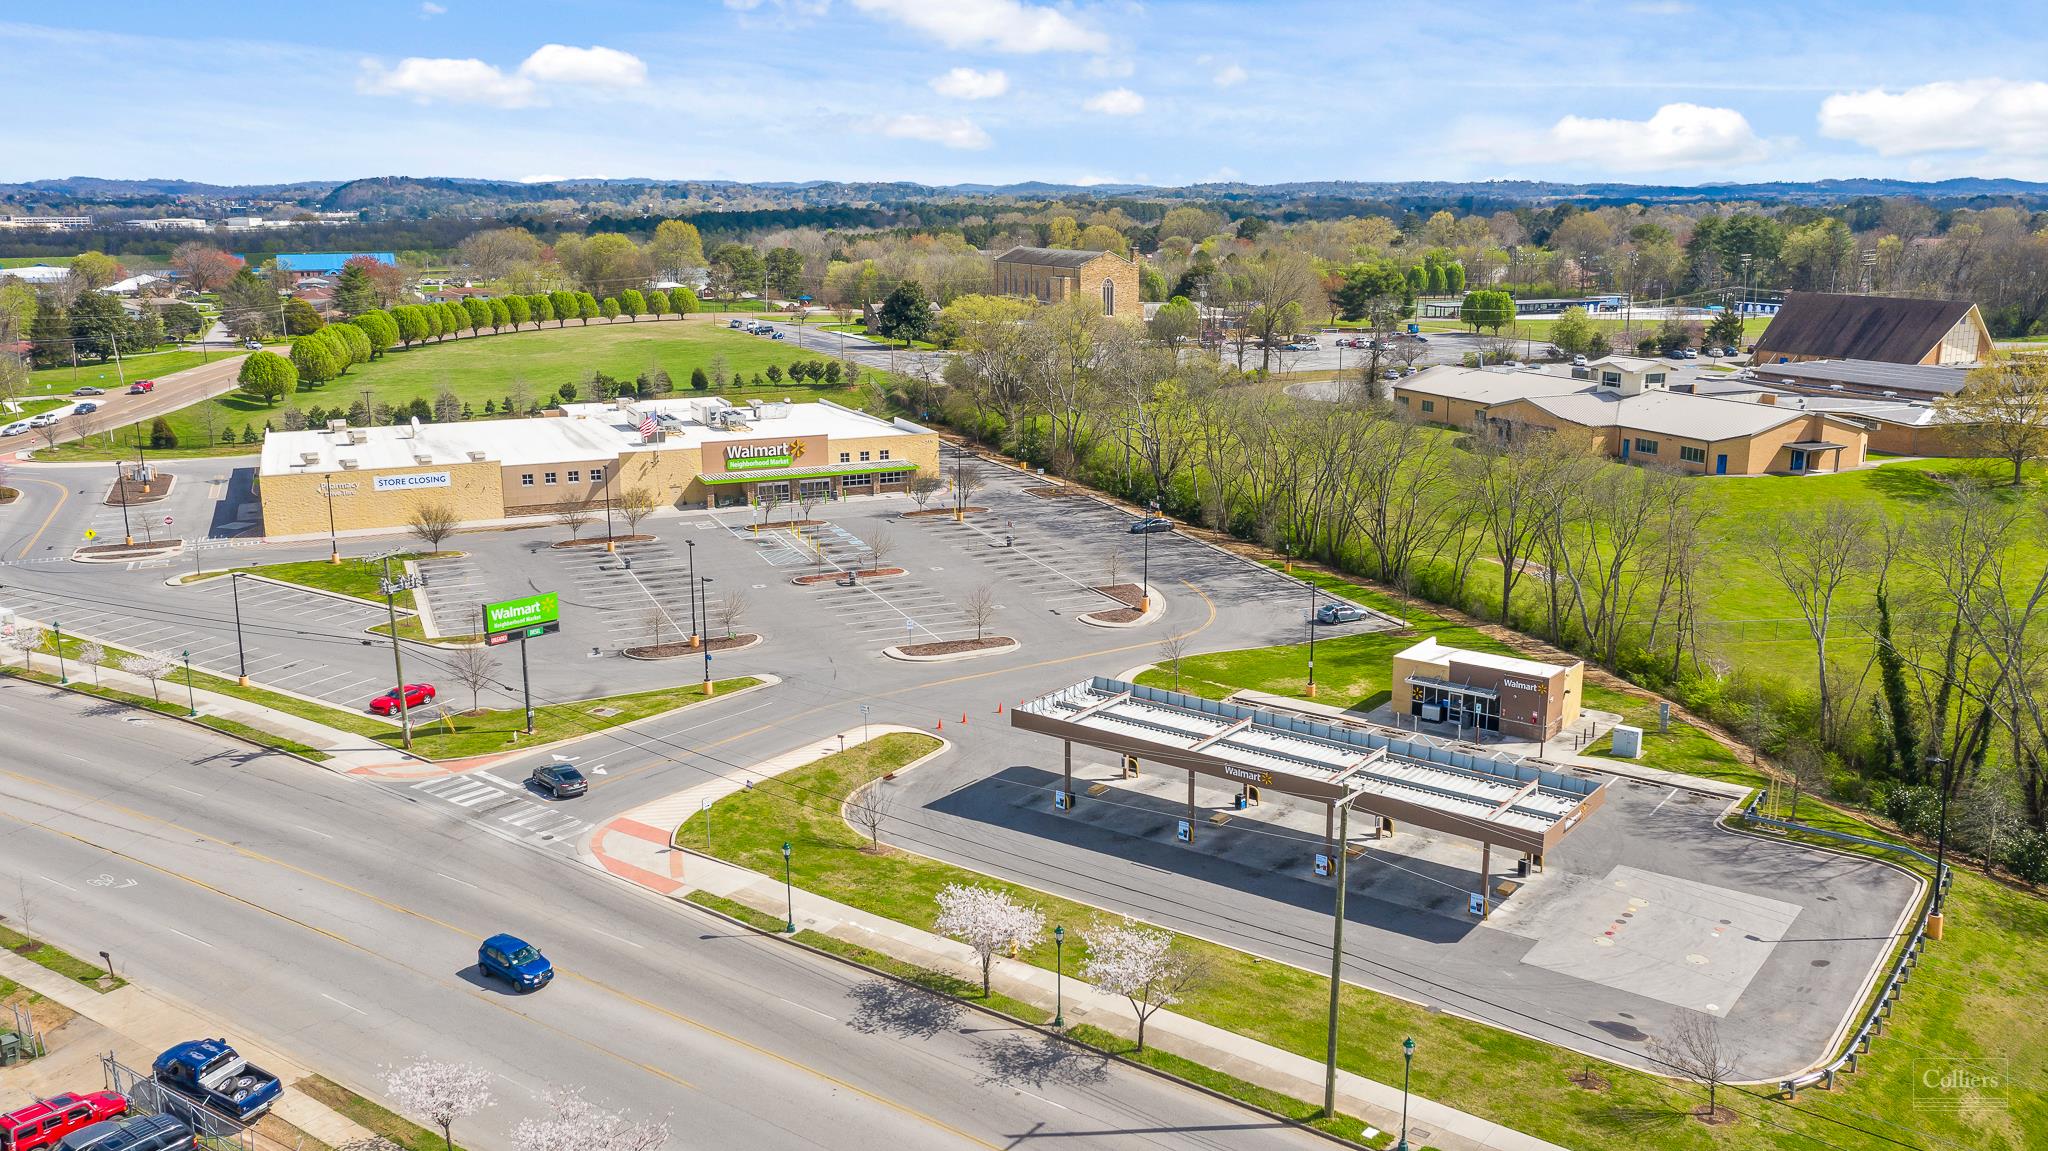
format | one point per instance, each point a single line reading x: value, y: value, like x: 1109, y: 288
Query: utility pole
x: 1336, y: 964
x: 398, y: 662
x: 121, y: 485
x: 241, y: 653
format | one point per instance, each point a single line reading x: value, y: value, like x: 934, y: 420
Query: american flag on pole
x: 646, y: 428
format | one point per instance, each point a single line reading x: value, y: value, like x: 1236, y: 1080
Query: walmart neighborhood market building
x: 694, y: 452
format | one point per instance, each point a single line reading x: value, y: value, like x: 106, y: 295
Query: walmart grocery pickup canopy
x: 1488, y: 798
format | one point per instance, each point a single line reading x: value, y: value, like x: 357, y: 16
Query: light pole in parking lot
x: 608, y: 545
x: 1145, y: 568
x: 704, y: 593
x: 121, y: 485
x: 695, y: 635
x: 241, y: 653
x: 788, y: 894
x: 333, y: 543
x: 1311, y: 640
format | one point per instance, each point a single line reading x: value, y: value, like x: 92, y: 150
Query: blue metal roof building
x: 326, y: 263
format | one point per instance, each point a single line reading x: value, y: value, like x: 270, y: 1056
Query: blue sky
x: 945, y: 91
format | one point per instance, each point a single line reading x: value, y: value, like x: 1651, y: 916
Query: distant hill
x: 414, y: 197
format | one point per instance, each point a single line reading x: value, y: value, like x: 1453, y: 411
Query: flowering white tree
x: 440, y: 1093
x: 987, y: 920
x: 27, y: 639
x: 1142, y: 964
x: 576, y: 1124
x: 93, y: 655
x: 152, y: 666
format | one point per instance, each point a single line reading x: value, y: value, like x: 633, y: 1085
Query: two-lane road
x: 336, y: 921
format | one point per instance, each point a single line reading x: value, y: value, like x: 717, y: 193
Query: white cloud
x: 743, y: 5
x: 1110, y: 67
x: 1116, y: 102
x: 2002, y: 116
x: 471, y: 81
x: 950, y: 131
x: 1230, y: 74
x: 968, y: 84
x: 1675, y: 136
x: 430, y: 9
x: 561, y: 64
x: 1001, y: 25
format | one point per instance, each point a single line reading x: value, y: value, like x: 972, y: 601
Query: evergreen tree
x: 356, y: 292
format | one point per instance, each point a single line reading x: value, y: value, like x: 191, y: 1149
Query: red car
x: 141, y: 387
x: 415, y: 695
x: 42, y: 1124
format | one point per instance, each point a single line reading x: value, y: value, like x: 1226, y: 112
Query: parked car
x: 559, y: 780
x: 88, y: 390
x: 43, y: 1123
x: 1578, y: 361
x: 253, y: 345
x: 16, y: 428
x: 141, y: 387
x: 1151, y: 524
x: 1331, y: 613
x: 211, y: 1073
x: 44, y: 420
x: 142, y: 1133
x: 1420, y: 339
x: 735, y: 323
x: 515, y: 961
x: 1691, y: 354
x: 415, y: 695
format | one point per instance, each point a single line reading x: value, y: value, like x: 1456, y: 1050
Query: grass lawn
x: 82, y: 681
x: 489, y: 368
x: 457, y: 735
x: 32, y: 261
x: 373, y: 1117
x: 145, y: 366
x: 62, y: 962
x: 351, y: 577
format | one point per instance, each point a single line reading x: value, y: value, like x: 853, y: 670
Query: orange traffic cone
x: 941, y: 727
x: 963, y: 717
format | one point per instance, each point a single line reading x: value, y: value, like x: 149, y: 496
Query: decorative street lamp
x: 191, y: 700
x: 1059, y: 1014
x: 63, y: 676
x: 1407, y: 1065
x: 788, y: 894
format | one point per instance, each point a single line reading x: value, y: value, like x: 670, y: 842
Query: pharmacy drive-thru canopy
x: 1488, y: 799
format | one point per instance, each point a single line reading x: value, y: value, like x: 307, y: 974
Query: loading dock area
x: 1490, y: 799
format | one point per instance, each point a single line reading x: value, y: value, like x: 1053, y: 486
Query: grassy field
x: 490, y: 368
x: 352, y: 577
x: 62, y: 962
x: 1949, y: 1015
x: 1538, y: 327
x: 144, y: 366
x: 32, y: 261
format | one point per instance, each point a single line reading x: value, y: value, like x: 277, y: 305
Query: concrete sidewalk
x: 137, y: 1024
x: 637, y: 847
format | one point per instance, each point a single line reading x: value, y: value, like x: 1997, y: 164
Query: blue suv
x: 515, y: 961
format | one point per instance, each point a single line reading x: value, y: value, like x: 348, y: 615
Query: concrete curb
x: 1155, y: 607
x: 894, y: 651
x: 757, y: 640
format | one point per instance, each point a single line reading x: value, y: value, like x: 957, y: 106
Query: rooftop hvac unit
x: 476, y: 457
x: 358, y: 436
x: 347, y: 465
x: 422, y: 458
x: 309, y: 457
x: 337, y: 425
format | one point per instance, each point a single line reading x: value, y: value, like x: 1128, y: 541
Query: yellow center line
x: 63, y: 493
x: 617, y: 993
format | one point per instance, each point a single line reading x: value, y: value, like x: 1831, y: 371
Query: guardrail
x: 1872, y: 1023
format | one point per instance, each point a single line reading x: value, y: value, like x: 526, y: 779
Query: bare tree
x: 431, y: 522
x: 574, y: 514
x: 1695, y: 1050
x: 967, y: 480
x: 1814, y: 553
x: 923, y: 487
x: 474, y: 668
x: 880, y: 544
x: 92, y: 655
x: 806, y: 499
x: 635, y: 504
x: 1113, y: 565
x: 981, y: 607
x: 731, y: 611
x: 1143, y: 964
x: 1171, y: 650
x: 655, y: 619
x: 869, y: 808
x: 27, y: 905
x: 152, y: 666
x: 988, y: 920
x: 768, y: 502
x: 27, y: 639
x: 440, y: 1093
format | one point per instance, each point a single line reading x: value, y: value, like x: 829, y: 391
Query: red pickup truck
x: 43, y: 1124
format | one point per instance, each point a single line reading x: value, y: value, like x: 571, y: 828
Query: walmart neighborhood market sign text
x: 526, y: 611
x: 749, y: 457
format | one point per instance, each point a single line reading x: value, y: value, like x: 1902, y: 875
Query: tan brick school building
x: 695, y: 452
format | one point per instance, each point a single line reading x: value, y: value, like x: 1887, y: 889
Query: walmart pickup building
x: 694, y: 452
